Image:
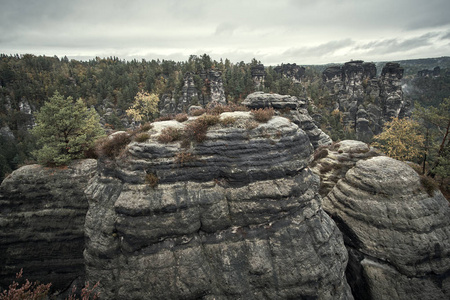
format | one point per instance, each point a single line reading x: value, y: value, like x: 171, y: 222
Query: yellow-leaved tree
x: 145, y: 107
x: 400, y: 139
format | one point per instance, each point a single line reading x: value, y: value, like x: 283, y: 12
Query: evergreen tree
x: 65, y: 130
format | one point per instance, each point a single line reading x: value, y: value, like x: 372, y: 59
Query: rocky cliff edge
x: 237, y: 216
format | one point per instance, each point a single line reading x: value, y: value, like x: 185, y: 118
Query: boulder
x: 397, y: 230
x: 236, y: 216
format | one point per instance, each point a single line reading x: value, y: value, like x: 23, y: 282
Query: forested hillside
x: 110, y: 85
x: 27, y: 81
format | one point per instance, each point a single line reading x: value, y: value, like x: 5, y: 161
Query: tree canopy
x: 144, y: 107
x: 400, y: 139
x: 65, y: 130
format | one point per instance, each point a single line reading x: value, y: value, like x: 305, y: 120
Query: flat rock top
x: 352, y: 145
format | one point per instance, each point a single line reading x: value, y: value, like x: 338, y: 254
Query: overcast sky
x: 273, y: 31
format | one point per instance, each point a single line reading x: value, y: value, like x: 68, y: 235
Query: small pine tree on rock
x: 65, y: 130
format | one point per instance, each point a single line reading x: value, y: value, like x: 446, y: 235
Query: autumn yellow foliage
x: 144, y: 107
x: 400, y: 139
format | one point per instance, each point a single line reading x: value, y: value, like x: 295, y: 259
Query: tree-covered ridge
x: 27, y: 81
x: 37, y: 78
x: 110, y: 85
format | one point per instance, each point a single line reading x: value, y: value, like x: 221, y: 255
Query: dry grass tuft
x: 198, y: 112
x: 112, y: 146
x: 184, y: 157
x: 169, y: 134
x: 141, y: 137
x: 227, y: 121
x: 152, y: 180
x: 181, y: 117
x: 165, y: 118
x: 263, y: 115
x: 146, y: 127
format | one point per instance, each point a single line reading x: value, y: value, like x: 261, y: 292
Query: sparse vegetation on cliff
x: 263, y: 114
x: 113, y: 145
x: 39, y: 291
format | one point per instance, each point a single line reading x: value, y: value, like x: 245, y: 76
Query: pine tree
x: 65, y: 130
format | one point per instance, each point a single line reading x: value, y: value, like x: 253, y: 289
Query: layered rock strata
x: 398, y: 236
x: 236, y: 216
x: 292, y: 108
x: 42, y: 224
x: 332, y: 162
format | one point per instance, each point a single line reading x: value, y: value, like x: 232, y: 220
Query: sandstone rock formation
x: 292, y: 71
x: 397, y: 231
x: 236, y: 216
x: 294, y: 109
x: 216, y: 90
x: 42, y: 224
x: 436, y: 72
x: 367, y: 102
x: 258, y: 76
x: 191, y: 94
x: 332, y: 162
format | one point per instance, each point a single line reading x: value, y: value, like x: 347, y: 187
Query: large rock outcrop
x: 292, y: 108
x: 396, y: 229
x: 365, y: 101
x: 42, y: 224
x: 236, y: 216
x: 332, y: 162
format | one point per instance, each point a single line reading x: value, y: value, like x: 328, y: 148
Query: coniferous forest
x: 28, y: 81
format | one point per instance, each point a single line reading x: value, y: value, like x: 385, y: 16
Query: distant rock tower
x: 258, y: 76
x: 291, y: 71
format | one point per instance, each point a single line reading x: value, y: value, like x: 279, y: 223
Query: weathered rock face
x: 294, y: 109
x: 391, y: 91
x: 258, y: 76
x: 217, y: 92
x: 332, y: 162
x: 42, y: 224
x: 398, y: 235
x: 234, y: 217
x: 291, y: 71
x: 367, y: 102
x: 191, y: 95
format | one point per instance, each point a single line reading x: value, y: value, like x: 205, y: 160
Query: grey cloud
x: 225, y: 29
x: 320, y: 50
x: 397, y: 45
x: 446, y: 36
x: 428, y: 14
